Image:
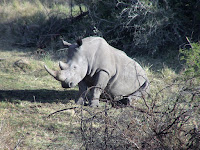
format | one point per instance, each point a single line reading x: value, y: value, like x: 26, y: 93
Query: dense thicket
x: 143, y: 26
x: 140, y: 26
x: 135, y: 26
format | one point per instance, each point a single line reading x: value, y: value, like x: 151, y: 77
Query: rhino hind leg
x: 121, y: 103
x: 142, y: 92
x: 125, y: 101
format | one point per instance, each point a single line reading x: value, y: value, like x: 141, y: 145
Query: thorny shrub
x: 167, y: 119
x: 135, y: 26
x: 159, y: 122
x: 143, y: 26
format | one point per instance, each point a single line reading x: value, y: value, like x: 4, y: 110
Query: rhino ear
x: 66, y: 44
x: 79, y: 42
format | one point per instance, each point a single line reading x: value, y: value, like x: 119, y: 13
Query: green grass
x: 28, y: 122
x: 20, y: 20
x: 27, y: 93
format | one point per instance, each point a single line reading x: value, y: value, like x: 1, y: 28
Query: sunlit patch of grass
x: 28, y: 122
x: 48, y: 61
x: 32, y: 77
x: 24, y: 124
x: 16, y: 9
x: 168, y: 74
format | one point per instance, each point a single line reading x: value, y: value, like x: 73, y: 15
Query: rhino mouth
x: 70, y: 84
x: 67, y: 84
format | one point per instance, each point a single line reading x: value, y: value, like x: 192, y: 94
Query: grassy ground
x: 28, y: 95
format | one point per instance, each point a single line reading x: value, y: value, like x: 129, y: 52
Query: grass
x: 29, y: 95
x: 27, y: 122
x: 14, y: 9
x: 27, y: 98
x: 26, y: 21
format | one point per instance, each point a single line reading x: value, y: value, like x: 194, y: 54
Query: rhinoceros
x: 93, y: 64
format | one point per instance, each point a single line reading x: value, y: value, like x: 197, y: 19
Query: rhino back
x: 129, y: 76
x: 126, y: 75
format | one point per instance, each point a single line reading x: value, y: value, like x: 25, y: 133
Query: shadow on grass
x: 40, y: 95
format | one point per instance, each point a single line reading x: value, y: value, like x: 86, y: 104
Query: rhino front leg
x: 81, y: 96
x: 101, y: 82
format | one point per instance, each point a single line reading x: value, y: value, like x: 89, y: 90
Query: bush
x: 191, y: 57
x: 135, y: 26
x: 160, y: 122
x: 168, y: 119
x: 143, y: 26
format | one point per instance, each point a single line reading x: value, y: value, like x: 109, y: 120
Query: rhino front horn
x: 62, y: 65
x: 51, y: 72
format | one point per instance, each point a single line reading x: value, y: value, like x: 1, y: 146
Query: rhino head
x: 74, y: 70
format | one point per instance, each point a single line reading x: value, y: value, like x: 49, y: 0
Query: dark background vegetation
x: 153, y: 28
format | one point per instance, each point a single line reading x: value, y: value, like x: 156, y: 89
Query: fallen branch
x: 61, y: 110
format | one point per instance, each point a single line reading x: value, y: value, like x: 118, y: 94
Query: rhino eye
x: 74, y: 67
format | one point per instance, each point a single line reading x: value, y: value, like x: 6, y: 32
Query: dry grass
x: 28, y: 95
x: 26, y: 22
x: 14, y: 10
x: 25, y: 125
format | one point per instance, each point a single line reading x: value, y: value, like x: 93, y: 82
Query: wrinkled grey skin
x: 92, y: 62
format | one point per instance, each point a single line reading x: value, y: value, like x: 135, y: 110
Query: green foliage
x: 191, y: 57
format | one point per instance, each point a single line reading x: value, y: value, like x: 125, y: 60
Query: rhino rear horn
x: 51, y: 72
x: 62, y: 65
